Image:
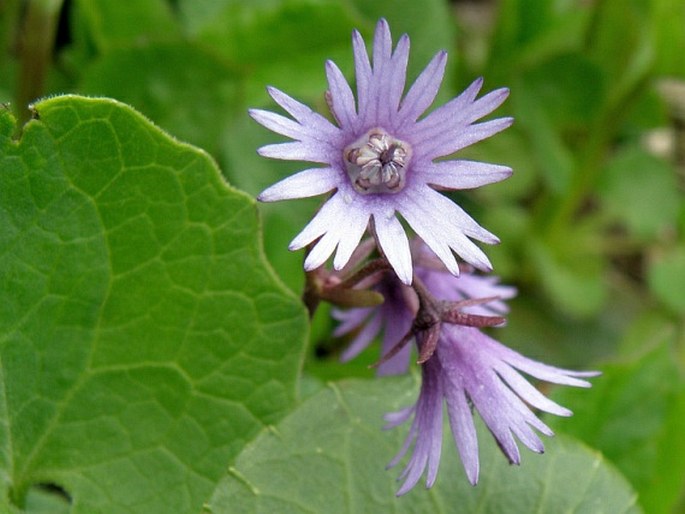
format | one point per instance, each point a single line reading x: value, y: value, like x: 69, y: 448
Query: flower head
x: 381, y: 160
x: 471, y: 369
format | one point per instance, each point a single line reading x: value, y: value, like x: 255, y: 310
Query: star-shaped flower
x: 381, y: 160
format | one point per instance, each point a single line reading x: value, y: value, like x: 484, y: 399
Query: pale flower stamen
x: 377, y: 162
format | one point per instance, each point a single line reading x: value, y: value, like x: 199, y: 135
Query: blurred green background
x: 591, y: 222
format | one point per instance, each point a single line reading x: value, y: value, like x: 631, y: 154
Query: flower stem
x: 36, y: 43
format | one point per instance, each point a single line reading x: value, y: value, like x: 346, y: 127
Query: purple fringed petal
x: 444, y: 226
x: 304, y: 184
x: 459, y: 174
x: 350, y: 319
x: 298, y: 151
x: 397, y: 77
x: 364, y: 338
x: 424, y: 90
x: 394, y: 244
x: 302, y: 113
x: 362, y: 69
x: 449, y: 143
x: 463, y: 427
x: 342, y: 99
x: 394, y: 419
x: 398, y: 318
x: 426, y: 432
x: 468, y: 365
x: 326, y: 223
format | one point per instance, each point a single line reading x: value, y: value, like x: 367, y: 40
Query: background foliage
x: 152, y: 362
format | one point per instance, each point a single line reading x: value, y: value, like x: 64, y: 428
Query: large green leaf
x: 328, y: 456
x: 143, y: 338
x: 169, y: 83
x: 636, y: 416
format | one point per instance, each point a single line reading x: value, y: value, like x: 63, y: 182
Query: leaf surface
x: 143, y: 338
x: 328, y: 456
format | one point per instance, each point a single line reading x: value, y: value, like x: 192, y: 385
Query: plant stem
x: 36, y: 43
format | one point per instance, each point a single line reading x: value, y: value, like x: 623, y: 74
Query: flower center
x: 376, y: 162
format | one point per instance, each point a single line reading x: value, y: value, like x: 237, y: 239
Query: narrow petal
x: 350, y: 233
x: 299, y: 151
x: 363, y: 73
x: 363, y: 339
x: 396, y: 78
x: 301, y: 112
x: 278, y: 124
x: 461, y: 174
x: 539, y: 370
x: 398, y: 319
x: 450, y: 142
x: 326, y: 219
x: 420, y: 221
x: 394, y: 244
x: 311, y: 182
x: 444, y: 225
x: 380, y: 77
x: 321, y: 251
x: 428, y: 423
x: 350, y: 319
x: 382, y: 45
x: 460, y: 111
x: 463, y: 429
x: 396, y: 418
x: 341, y: 96
x: 424, y: 90
x: 528, y: 393
x: 448, y: 215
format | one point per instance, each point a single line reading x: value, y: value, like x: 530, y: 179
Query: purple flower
x: 471, y: 369
x: 394, y: 317
x: 380, y: 160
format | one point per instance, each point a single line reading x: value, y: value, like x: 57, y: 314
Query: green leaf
x: 107, y: 25
x: 143, y: 338
x: 266, y: 31
x: 641, y: 191
x: 168, y: 82
x: 666, y: 277
x: 328, y: 456
x: 552, y: 155
x: 667, y: 22
x: 635, y: 415
x: 571, y: 273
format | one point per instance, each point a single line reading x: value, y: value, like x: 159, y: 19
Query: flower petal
x: 424, y: 90
x: 460, y: 111
x: 461, y: 174
x: 463, y: 427
x: 394, y: 244
x: 311, y: 182
x: 450, y: 142
x: 278, y: 124
x: 299, y: 151
x: 443, y: 226
x: 363, y: 73
x: 321, y: 251
x: 342, y: 99
x: 367, y: 334
x: 528, y: 393
x: 397, y: 77
x: 301, y: 112
x: 350, y: 233
x: 328, y: 218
